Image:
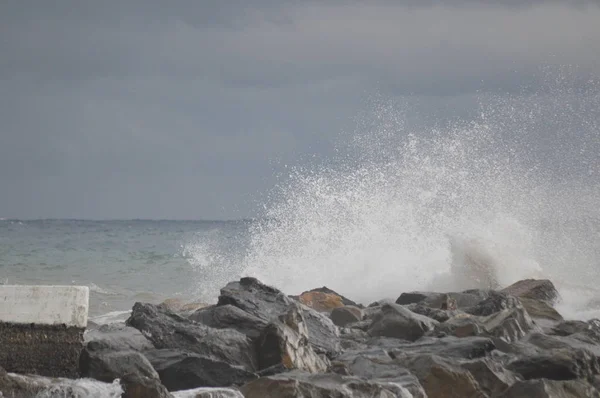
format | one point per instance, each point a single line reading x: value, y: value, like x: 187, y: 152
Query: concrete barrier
x: 41, y: 329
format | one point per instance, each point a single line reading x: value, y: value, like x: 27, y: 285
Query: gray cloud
x: 178, y: 110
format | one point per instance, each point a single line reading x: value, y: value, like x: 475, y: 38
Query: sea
x: 508, y: 193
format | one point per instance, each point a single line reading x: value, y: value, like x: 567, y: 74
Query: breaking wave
x: 510, y: 193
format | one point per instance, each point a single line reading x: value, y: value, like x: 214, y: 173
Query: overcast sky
x: 186, y: 109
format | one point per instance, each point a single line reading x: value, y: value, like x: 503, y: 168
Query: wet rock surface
x: 259, y: 342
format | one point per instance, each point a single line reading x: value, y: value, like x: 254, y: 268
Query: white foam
x: 49, y: 305
x: 471, y: 205
x: 79, y: 388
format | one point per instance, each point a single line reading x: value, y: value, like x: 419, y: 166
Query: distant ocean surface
x: 124, y: 261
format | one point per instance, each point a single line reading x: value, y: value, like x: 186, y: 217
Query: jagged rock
x: 208, y: 392
x: 107, y: 366
x: 181, y: 307
x: 447, y: 301
x: 437, y: 314
x: 396, y: 321
x: 267, y: 303
x: 546, y: 342
x: 182, y: 370
x: 540, y: 310
x: 442, y: 377
x: 491, y: 376
x: 301, y: 384
x: 249, y: 294
x: 495, y: 302
x: 326, y: 290
x: 558, y: 364
x: 588, y: 332
x: 550, y: 389
x: 537, y: 289
x: 116, y: 337
x: 447, y: 347
x: 230, y: 317
x: 286, y: 342
x: 416, y: 297
x: 136, y: 386
x: 507, y: 325
x: 166, y: 329
x: 343, y: 316
x: 321, y: 302
x: 376, y: 365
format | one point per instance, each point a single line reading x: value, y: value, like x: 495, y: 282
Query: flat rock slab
x: 41, y: 329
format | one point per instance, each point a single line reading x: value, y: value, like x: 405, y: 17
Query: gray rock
x: 447, y: 347
x: 588, y: 332
x: 376, y: 365
x: 182, y: 370
x: 117, y: 337
x: 169, y: 330
x: 267, y: 303
x: 136, y: 386
x: 550, y: 389
x: 495, y: 302
x: 558, y: 364
x: 230, y: 317
x: 209, y: 392
x: 301, y: 384
x: 491, y: 376
x: 107, y: 366
x: 541, y: 311
x: 398, y: 322
x: 537, y: 289
x: 442, y: 377
x: 437, y: 314
x: 285, y: 342
x: 343, y: 316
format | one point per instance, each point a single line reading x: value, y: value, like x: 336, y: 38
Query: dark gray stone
x: 550, y: 389
x: 557, y: 365
x: 181, y: 370
x: 136, y: 386
x: 495, y: 302
x: 343, y: 316
x: 301, y: 384
x: 491, y: 376
x: 447, y: 347
x: 537, y: 289
x: 117, y: 337
x: 107, y: 366
x: 267, y: 303
x: 169, y: 330
x: 396, y: 321
x: 230, y: 317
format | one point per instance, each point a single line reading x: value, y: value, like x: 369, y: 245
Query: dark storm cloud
x: 178, y: 109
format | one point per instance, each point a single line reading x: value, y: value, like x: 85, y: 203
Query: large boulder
x: 116, y: 337
x: 343, y: 316
x: 492, y: 377
x: 508, y: 325
x: 210, y: 392
x: 110, y: 365
x: 321, y: 301
x: 181, y: 370
x: 285, y: 342
x: 446, y: 347
x: 437, y: 314
x: 377, y: 365
x: 495, y: 302
x: 182, y: 307
x: 136, y: 386
x: 543, y: 388
x: 537, y: 289
x: 326, y: 290
x: 267, y: 303
x: 166, y: 329
x: 442, y: 377
x: 588, y: 332
x: 395, y: 321
x: 298, y: 384
x: 230, y: 317
x: 558, y: 364
x: 541, y: 312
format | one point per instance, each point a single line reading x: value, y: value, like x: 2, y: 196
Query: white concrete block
x: 46, y: 305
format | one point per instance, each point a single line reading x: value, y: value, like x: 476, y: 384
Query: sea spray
x: 511, y: 194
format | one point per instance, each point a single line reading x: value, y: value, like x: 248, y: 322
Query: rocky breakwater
x: 258, y: 342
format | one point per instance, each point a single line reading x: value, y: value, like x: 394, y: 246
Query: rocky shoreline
x: 259, y: 342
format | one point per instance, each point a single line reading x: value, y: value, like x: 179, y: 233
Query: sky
x: 190, y: 109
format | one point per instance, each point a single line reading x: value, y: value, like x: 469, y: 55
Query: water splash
x: 510, y: 194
